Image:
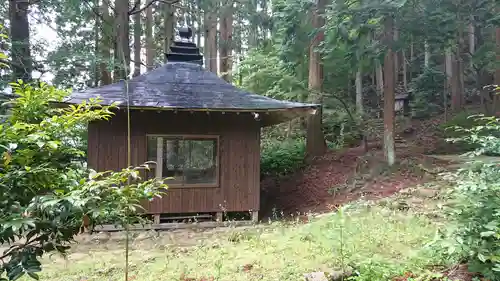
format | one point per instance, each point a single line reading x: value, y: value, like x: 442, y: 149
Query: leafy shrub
x: 281, y: 157
x: 427, y: 93
x: 473, y: 133
x: 45, y: 192
x: 266, y: 74
x: 340, y: 128
x: 476, y: 236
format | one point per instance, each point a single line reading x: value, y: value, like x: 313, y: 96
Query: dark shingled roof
x: 183, y: 85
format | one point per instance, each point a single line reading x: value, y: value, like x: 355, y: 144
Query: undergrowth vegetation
x: 46, y: 189
x: 279, y: 158
x: 456, y: 128
x: 267, y: 48
x: 363, y: 237
x: 376, y: 240
x: 475, y: 234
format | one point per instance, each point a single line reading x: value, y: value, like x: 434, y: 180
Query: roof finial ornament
x: 185, y: 33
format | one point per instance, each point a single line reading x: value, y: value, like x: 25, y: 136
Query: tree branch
x: 17, y: 246
x: 94, y: 10
x: 136, y: 8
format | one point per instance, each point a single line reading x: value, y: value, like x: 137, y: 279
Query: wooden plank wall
x: 239, y: 188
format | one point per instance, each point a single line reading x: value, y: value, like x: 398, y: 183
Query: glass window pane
x: 173, y: 160
x: 186, y: 161
x: 201, y: 164
x: 151, y: 150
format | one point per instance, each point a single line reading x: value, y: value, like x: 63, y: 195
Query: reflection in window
x: 184, y: 159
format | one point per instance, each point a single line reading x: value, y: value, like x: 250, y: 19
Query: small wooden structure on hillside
x: 402, y: 103
x: 199, y: 129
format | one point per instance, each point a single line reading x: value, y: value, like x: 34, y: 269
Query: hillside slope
x: 342, y: 176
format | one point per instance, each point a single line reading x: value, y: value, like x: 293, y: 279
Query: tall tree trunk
x: 448, y: 64
x: 199, y: 23
x: 137, y: 42
x: 462, y: 48
x: 150, y: 52
x: 316, y: 145
x: 427, y: 54
x: 210, y: 46
x: 410, y: 62
x: 455, y: 84
x: 264, y: 15
x: 253, y: 40
x: 212, y: 40
x: 122, y: 49
x: 379, y: 75
x: 238, y: 46
x: 484, y: 76
x: 359, y: 90
x: 359, y: 105
x: 389, y: 85
x: 106, y: 43
x: 472, y: 40
x: 397, y: 61
x: 496, y: 98
x: 188, y: 14
x: 168, y: 27
x: 226, y: 40
x: 22, y: 64
x: 405, y: 70
x: 97, y: 26
x: 448, y: 70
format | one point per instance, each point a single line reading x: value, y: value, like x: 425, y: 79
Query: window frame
x: 159, y: 158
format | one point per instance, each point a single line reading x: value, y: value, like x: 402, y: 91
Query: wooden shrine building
x: 200, y: 130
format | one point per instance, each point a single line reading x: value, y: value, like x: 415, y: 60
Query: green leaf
x: 481, y: 257
x: 492, y: 225
x: 487, y: 233
x: 33, y: 275
x: 53, y: 144
x: 15, y: 272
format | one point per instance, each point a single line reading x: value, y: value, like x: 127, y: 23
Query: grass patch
x: 275, y: 252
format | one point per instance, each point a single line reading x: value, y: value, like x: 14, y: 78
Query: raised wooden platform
x: 170, y: 226
x: 186, y: 221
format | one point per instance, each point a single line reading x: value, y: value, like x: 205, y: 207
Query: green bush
x: 340, y: 128
x: 281, y: 157
x: 44, y: 192
x: 475, y: 236
x: 473, y: 133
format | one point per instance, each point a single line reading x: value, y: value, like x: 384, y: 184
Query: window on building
x: 185, y: 160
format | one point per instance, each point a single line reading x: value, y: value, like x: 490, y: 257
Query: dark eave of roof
x: 182, y: 85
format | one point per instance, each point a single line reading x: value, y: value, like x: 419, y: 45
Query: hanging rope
x: 128, y: 165
x: 129, y: 162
